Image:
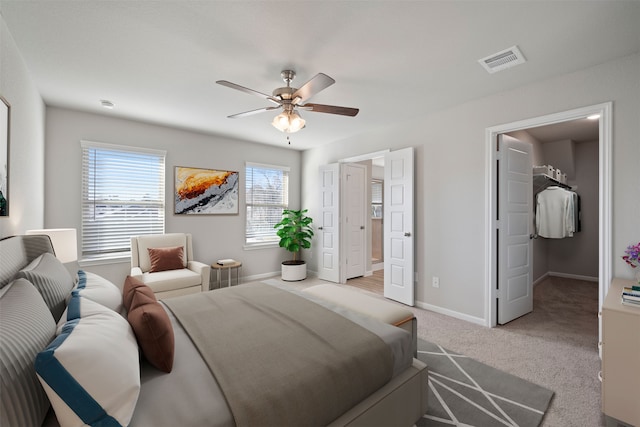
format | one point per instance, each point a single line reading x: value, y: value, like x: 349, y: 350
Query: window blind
x: 122, y: 196
x: 267, y: 195
x: 376, y: 192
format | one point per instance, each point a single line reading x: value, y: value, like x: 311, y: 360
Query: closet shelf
x: 542, y: 181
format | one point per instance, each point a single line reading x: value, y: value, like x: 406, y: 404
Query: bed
x: 243, y: 356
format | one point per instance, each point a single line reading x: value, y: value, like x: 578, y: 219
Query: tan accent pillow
x: 153, y: 329
x: 130, y: 287
x: 163, y: 259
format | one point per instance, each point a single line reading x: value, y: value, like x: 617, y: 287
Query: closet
x: 570, y: 165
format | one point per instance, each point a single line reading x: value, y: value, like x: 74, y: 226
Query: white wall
x: 561, y: 155
x: 214, y: 236
x: 26, y: 147
x: 450, y: 163
x: 578, y: 255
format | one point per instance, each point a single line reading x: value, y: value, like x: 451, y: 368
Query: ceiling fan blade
x: 331, y: 109
x: 252, y: 112
x: 319, y: 82
x: 249, y: 91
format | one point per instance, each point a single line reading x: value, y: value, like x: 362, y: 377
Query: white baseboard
x: 377, y: 266
x: 261, y: 276
x: 271, y: 275
x: 447, y: 312
x: 573, y: 276
x: 541, y: 278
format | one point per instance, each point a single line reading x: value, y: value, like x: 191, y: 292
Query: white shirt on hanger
x: 555, y: 213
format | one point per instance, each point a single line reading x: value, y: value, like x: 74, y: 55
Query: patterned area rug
x: 465, y: 392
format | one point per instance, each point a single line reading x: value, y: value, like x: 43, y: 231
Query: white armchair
x: 193, y: 277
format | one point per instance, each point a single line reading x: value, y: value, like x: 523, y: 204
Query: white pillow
x: 99, y: 289
x: 91, y: 371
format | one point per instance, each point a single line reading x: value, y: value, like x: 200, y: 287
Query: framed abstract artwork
x: 205, y: 191
x: 5, y: 121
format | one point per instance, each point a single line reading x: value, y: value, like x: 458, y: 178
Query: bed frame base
x: 402, y: 402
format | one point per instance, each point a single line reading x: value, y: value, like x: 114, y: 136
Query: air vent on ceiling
x: 503, y: 60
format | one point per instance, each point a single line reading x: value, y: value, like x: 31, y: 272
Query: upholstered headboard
x: 27, y: 327
x: 18, y: 251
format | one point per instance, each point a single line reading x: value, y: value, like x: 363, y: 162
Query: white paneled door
x: 354, y: 178
x: 329, y: 226
x: 515, y: 225
x: 398, y: 226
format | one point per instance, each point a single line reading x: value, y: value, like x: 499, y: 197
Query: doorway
x: 373, y: 277
x: 398, y: 235
x: 604, y: 197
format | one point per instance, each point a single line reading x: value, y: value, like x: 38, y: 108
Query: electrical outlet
x: 435, y: 282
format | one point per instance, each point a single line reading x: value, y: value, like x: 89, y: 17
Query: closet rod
x: 542, y: 181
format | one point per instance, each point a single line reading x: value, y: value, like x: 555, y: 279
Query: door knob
x: 533, y: 236
x: 320, y: 228
x: 407, y: 234
x: 362, y: 227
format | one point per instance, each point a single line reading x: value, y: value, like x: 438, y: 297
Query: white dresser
x: 620, y: 356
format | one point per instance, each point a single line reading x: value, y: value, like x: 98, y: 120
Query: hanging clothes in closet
x: 557, y: 213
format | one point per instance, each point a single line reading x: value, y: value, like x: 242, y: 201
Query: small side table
x: 227, y: 267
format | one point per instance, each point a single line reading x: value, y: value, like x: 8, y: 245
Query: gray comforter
x: 281, y: 359
x: 191, y: 396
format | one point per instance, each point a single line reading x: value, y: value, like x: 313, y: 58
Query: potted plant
x: 295, y: 233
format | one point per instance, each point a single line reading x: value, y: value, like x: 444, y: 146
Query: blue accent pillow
x: 91, y: 371
x: 99, y: 289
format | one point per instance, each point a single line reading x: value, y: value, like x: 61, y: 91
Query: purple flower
x: 632, y: 255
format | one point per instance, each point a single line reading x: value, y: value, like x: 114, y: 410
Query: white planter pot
x: 293, y: 271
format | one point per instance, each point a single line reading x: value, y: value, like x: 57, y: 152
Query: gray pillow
x: 52, y: 279
x: 27, y: 329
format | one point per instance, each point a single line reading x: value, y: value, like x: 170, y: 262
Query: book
x: 631, y: 303
x: 631, y: 290
x: 226, y: 261
x: 631, y: 297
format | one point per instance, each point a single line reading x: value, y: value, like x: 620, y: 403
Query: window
x: 267, y: 195
x: 122, y: 196
x: 376, y: 198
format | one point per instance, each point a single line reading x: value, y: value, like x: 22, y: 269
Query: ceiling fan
x: 291, y: 99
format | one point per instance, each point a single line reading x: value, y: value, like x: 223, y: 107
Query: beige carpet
x: 554, y: 347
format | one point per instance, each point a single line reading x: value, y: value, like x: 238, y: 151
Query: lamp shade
x: 295, y: 122
x: 288, y: 121
x: 63, y: 240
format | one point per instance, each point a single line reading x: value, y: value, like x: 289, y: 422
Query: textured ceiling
x: 582, y: 130
x: 158, y: 61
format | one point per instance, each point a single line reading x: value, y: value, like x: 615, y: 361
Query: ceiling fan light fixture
x: 295, y: 122
x: 281, y: 122
x: 288, y: 122
x: 290, y: 99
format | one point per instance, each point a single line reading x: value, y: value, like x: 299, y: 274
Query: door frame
x: 604, y: 197
x: 356, y: 159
